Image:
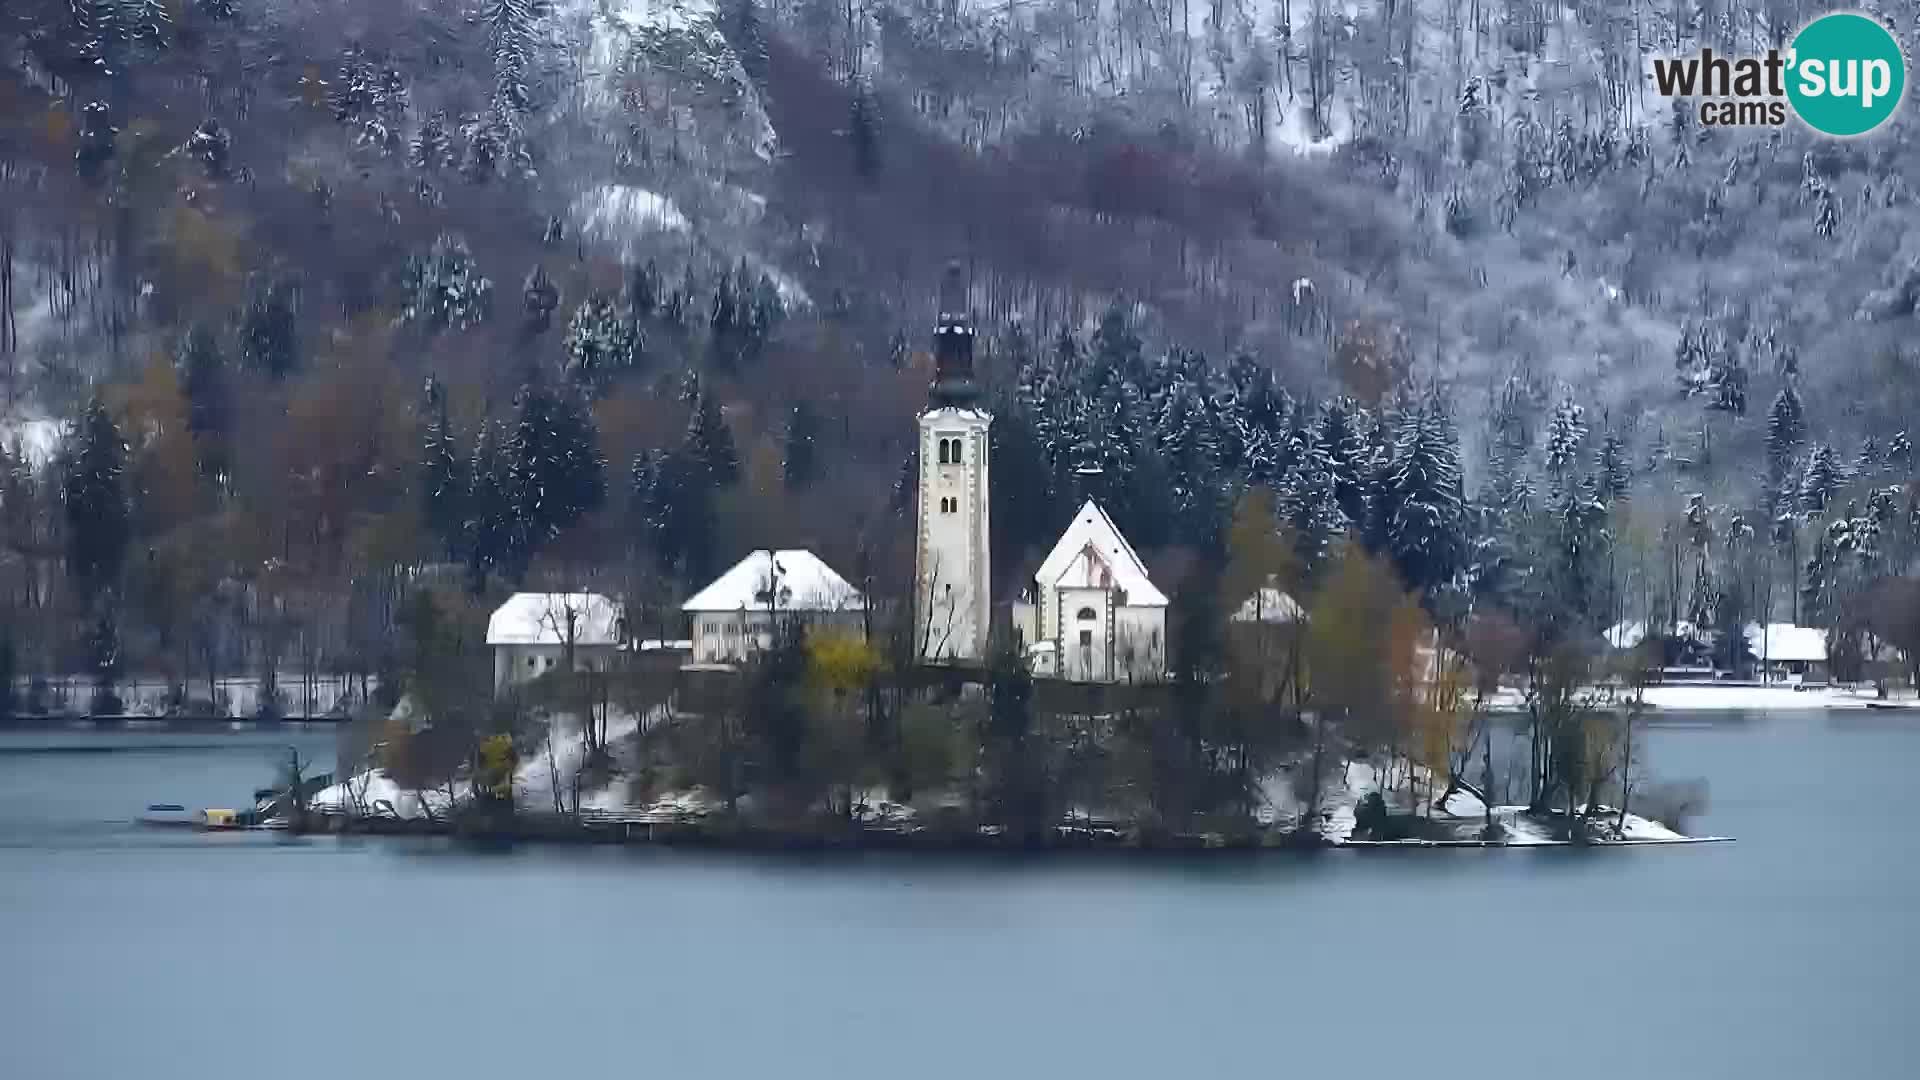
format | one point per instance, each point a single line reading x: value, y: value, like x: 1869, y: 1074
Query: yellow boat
x: 221, y: 819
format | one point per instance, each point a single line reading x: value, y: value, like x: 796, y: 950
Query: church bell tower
x: 951, y: 557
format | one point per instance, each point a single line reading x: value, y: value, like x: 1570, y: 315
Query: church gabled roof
x: 1093, y: 554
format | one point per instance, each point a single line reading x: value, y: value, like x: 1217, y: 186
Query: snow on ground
x: 1521, y: 829
x: 35, y: 439
x: 376, y: 794
x: 792, y: 294
x: 533, y: 782
x: 1463, y: 812
x: 614, y: 212
x: 1743, y: 697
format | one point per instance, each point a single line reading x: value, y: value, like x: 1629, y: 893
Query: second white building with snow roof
x: 735, y: 616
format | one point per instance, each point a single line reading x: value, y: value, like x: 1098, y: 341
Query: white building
x: 952, y: 563
x: 533, y: 633
x: 735, y: 615
x: 1789, y: 652
x: 1095, y: 616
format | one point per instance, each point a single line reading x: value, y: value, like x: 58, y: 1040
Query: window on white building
x: 1087, y: 614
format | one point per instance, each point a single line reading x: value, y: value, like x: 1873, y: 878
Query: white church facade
x: 1093, y: 614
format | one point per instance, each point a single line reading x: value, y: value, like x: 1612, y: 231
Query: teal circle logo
x: 1846, y: 75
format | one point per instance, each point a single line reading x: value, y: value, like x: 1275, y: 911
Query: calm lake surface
x: 131, y: 954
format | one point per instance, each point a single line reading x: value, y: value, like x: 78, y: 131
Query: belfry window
x: 943, y: 453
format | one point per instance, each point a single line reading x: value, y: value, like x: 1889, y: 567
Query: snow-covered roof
x: 1628, y: 635
x: 541, y: 619
x: 804, y: 583
x: 1093, y: 554
x: 1785, y: 641
x: 1270, y: 605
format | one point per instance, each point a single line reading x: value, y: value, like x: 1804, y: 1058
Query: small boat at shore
x: 169, y: 815
x: 173, y: 815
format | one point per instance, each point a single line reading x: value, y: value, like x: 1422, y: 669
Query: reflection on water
x: 1788, y: 954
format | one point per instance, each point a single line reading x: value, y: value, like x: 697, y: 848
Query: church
x: 1092, y: 613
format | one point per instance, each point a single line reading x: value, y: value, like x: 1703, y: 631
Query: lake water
x: 132, y: 954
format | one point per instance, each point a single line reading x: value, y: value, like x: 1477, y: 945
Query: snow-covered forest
x: 310, y: 306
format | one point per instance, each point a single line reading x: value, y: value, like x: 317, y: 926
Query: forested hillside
x: 305, y: 302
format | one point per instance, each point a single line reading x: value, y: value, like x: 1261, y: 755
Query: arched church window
x: 1086, y: 614
x: 943, y: 452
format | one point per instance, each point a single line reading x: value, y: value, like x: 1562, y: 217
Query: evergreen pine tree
x: 741, y: 25
x: 212, y: 147
x: 1023, y: 503
x: 680, y: 515
x: 490, y: 140
x: 445, y: 483
x: 539, y: 296
x: 601, y: 339
x: 1312, y: 508
x: 1341, y: 441
x: 1509, y: 444
x: 491, y: 529
x: 1727, y: 383
x: 1183, y: 448
x: 644, y: 478
x: 643, y: 290
x: 1615, y: 472
x: 269, y: 328
x: 906, y: 483
x: 1116, y: 348
x: 97, y: 141
x: 1424, y: 509
x: 801, y: 461
x: 510, y: 32
x: 863, y: 130
x: 1566, y: 434
x: 444, y: 289
x: 202, y: 374
x: 1826, y: 212
x: 1869, y: 461
x: 1816, y: 581
x: 94, y: 491
x: 1821, y: 480
x: 147, y: 24
x: 1900, y: 453
x: 1786, y: 430
x: 555, y: 474
x: 433, y: 146
x: 709, y: 442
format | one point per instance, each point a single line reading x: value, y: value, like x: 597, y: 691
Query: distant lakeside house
x: 1788, y: 652
x: 1780, y: 652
